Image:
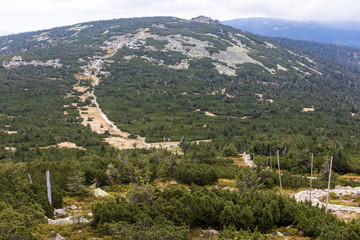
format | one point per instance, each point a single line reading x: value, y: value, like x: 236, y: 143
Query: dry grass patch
x: 347, y: 217
x: 163, y: 183
x: 64, y: 145
x: 239, y: 161
x: 226, y: 183
x: 350, y: 176
x: 70, y: 232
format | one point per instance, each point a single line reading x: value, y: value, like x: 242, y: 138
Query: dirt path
x: 94, y: 116
x: 100, y: 123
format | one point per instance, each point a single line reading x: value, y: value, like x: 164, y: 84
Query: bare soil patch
x: 11, y: 132
x: 64, y: 145
x: 308, y: 109
x: 239, y: 161
x: 210, y: 114
x: 125, y: 143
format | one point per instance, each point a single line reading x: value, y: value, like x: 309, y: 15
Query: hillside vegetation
x: 158, y: 80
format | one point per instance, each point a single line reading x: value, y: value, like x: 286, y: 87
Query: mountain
x: 342, y: 33
x: 155, y: 111
x: 164, y: 78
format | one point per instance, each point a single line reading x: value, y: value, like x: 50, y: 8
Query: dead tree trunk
x: 270, y: 160
x: 48, y: 184
x: 278, y: 159
x: 181, y: 141
x: 328, y: 192
x: 311, y: 169
x: 30, y: 180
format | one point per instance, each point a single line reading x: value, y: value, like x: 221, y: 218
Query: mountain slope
x: 163, y: 78
x: 346, y: 33
x: 120, y: 94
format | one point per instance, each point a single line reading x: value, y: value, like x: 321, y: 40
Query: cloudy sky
x: 28, y: 15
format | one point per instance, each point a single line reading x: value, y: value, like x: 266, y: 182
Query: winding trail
x: 97, y: 119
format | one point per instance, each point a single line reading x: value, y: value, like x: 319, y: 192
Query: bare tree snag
x: 311, y: 170
x: 270, y: 160
x: 48, y: 185
x: 277, y: 154
x: 327, y: 198
x: 30, y: 180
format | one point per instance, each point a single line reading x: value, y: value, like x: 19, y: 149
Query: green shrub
x: 200, y: 174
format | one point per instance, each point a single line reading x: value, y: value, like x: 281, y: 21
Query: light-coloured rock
x: 61, y: 221
x: 281, y: 235
x: 59, y: 212
x: 211, y: 232
x: 316, y: 194
x: 100, y: 193
x: 82, y: 220
x: 191, y: 47
x: 17, y: 61
x: 71, y: 220
x: 58, y: 237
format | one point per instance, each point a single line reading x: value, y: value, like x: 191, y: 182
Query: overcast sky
x: 28, y: 15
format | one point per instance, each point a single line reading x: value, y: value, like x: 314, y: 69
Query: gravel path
x: 318, y: 193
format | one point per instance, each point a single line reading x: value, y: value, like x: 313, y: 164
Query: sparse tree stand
x: 311, y: 169
x: 48, y: 185
x: 327, y: 197
x: 277, y: 153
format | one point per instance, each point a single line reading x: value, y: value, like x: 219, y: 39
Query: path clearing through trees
x: 93, y: 115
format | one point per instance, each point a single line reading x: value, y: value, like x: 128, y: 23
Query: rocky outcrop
x: 318, y: 193
x: 100, y: 193
x: 17, y: 61
x: 70, y: 215
x: 58, y: 237
x: 204, y: 19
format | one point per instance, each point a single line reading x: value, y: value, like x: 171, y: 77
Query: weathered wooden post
x: 277, y: 153
x: 48, y: 184
x: 327, y: 198
x: 311, y: 169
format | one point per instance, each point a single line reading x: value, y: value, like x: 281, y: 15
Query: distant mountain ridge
x: 343, y: 33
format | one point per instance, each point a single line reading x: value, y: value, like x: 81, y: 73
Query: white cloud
x: 27, y: 15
